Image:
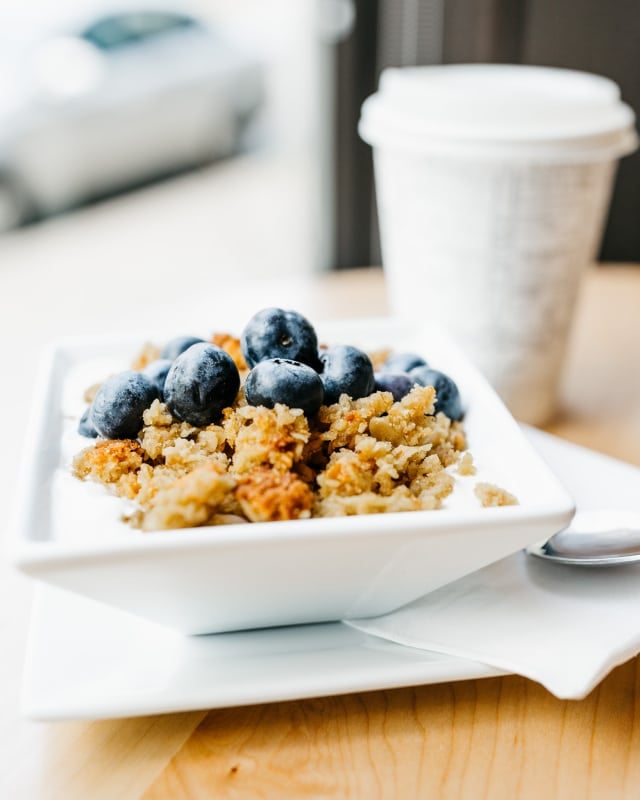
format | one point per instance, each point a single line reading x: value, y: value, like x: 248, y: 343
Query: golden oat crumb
x: 410, y: 421
x: 260, y: 436
x: 466, y: 465
x: 189, y: 501
x: 343, y: 421
x: 491, y: 495
x: 368, y: 502
x: 161, y: 434
x: 108, y: 460
x: 157, y: 414
x: 266, y: 495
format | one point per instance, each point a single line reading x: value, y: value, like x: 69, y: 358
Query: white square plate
x: 204, y: 580
x: 88, y: 661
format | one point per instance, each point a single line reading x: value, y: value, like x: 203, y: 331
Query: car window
x: 120, y: 30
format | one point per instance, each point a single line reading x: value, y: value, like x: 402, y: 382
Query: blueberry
x: 403, y: 362
x: 86, y: 426
x: 447, y: 394
x: 177, y: 346
x: 116, y: 411
x: 201, y: 382
x: 275, y: 333
x: 346, y: 370
x: 157, y: 371
x: 281, y: 380
x: 398, y: 383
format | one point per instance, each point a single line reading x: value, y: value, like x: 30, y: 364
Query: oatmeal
x: 264, y: 464
x: 253, y: 462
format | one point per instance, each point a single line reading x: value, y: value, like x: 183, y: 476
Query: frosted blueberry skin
x: 447, y: 394
x: 117, y: 408
x: 398, y: 383
x: 282, y: 380
x: 86, y: 426
x: 346, y: 370
x: 403, y: 362
x: 157, y: 372
x: 177, y: 346
x: 276, y: 333
x: 201, y: 382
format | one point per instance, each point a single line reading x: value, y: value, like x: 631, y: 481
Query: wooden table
x: 493, y: 738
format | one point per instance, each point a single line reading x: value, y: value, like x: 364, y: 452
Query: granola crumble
x: 370, y: 455
x: 491, y: 495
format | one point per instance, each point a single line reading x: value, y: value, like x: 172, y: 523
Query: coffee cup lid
x: 500, y: 110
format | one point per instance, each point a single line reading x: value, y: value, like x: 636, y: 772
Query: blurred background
x: 224, y: 132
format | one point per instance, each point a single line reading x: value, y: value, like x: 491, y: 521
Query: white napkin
x: 565, y: 627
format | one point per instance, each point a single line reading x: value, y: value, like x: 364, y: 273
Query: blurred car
x: 113, y: 100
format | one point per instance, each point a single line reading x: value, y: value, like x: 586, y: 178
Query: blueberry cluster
x: 287, y: 367
x: 197, y: 379
x: 194, y: 378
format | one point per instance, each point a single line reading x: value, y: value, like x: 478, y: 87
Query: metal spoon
x: 594, y: 539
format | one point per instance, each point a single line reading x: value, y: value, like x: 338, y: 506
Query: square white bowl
x: 211, y: 579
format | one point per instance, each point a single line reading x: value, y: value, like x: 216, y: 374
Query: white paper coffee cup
x: 493, y: 184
